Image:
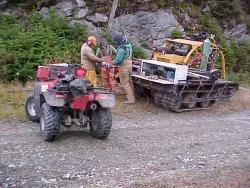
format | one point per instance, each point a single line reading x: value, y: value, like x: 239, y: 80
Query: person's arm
x: 98, y: 53
x: 114, y: 51
x: 92, y: 57
x: 119, y: 56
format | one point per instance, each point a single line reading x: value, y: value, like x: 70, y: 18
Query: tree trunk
x: 112, y: 13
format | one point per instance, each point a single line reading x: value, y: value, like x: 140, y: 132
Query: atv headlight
x: 107, y: 101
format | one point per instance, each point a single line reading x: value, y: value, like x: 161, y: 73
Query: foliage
x: 225, y: 8
x: 31, y: 4
x: 39, y: 41
x: 176, y: 33
x: 163, y: 3
x: 243, y: 57
x: 248, y: 26
x: 108, y: 37
x: 211, y: 25
x: 139, y: 53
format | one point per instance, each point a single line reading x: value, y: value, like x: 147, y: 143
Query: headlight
x: 107, y: 101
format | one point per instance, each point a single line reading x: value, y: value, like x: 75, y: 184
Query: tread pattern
x: 30, y: 117
x: 52, y: 123
x: 103, y: 118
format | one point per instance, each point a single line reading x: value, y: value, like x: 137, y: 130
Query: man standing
x: 88, y: 59
x: 105, y: 49
x: 124, y: 62
x: 106, y: 52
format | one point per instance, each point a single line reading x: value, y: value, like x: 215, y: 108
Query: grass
x: 240, y: 101
x: 12, y: 98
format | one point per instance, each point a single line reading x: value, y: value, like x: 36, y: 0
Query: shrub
x: 39, y: 41
x: 211, y: 25
x: 107, y: 36
x: 139, y: 53
x: 31, y: 4
x: 248, y: 26
x: 176, y: 33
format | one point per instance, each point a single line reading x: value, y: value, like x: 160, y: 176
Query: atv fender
x: 54, y: 100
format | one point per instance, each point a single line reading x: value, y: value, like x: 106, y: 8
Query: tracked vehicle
x: 182, y: 75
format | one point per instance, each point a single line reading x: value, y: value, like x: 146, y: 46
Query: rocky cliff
x: 148, y: 27
x: 144, y: 22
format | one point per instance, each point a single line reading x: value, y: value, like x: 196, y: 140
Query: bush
x: 139, y: 53
x: 31, y: 4
x: 39, y: 41
x: 248, y: 26
x: 176, y: 34
x: 108, y: 37
x: 211, y: 25
x: 225, y: 8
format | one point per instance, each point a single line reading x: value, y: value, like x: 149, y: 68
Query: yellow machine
x: 184, y: 75
x: 188, y: 52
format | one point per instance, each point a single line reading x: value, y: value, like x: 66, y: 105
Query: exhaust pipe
x: 93, y: 106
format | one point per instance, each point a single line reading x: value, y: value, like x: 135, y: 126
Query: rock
x: 97, y: 18
x: 82, y: 13
x: 151, y: 27
x: 44, y: 12
x: 13, y: 11
x: 64, y: 8
x: 93, y: 30
x: 3, y: 4
x: 239, y: 32
x: 66, y: 176
x: 80, y: 3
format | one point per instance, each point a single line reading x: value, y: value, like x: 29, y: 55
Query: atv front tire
x: 101, y: 123
x: 49, y: 122
x: 30, y: 108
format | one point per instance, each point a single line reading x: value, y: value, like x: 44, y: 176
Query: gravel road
x: 148, y: 147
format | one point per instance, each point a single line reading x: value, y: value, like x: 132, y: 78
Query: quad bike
x: 63, y: 97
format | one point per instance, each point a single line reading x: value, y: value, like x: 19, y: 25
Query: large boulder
x: 239, y: 33
x: 64, y: 8
x: 97, y: 18
x: 147, y: 27
x: 44, y: 12
x: 92, y: 29
x: 80, y: 3
x: 82, y: 13
x: 3, y: 4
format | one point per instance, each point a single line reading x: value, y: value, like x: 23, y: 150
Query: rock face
x: 64, y: 8
x: 98, y: 18
x: 239, y: 33
x: 3, y: 4
x: 148, y: 27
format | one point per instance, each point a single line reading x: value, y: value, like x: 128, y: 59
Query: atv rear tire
x: 30, y: 108
x: 101, y: 123
x: 49, y: 122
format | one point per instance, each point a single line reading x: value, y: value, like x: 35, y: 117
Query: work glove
x: 105, y: 65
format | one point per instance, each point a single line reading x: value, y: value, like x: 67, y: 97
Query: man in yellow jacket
x: 88, y: 59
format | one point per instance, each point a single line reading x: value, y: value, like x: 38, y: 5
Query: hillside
x: 35, y: 35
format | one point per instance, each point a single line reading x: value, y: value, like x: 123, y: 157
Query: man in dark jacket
x: 124, y: 62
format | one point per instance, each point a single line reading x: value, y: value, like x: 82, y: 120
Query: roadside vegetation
x: 12, y: 98
x: 37, y: 41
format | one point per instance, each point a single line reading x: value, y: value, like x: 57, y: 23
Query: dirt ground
x: 147, y: 147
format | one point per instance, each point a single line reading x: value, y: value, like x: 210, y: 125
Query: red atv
x: 62, y: 96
